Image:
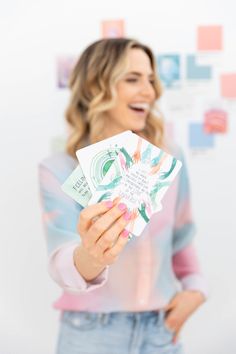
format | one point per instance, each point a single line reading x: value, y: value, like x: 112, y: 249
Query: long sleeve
x: 184, y: 259
x: 60, y: 217
x: 184, y: 227
x: 60, y: 213
x: 64, y: 272
x: 187, y: 269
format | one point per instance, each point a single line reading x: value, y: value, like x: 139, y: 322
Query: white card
x: 140, y: 175
x: 77, y: 187
x: 96, y: 159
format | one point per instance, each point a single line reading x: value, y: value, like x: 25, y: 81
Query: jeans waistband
x: 155, y: 315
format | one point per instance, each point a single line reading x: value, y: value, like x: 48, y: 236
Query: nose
x: 147, y: 90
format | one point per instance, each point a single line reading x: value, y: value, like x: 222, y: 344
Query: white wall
x: 32, y: 34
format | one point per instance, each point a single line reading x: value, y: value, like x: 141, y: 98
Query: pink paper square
x: 228, y: 85
x: 113, y: 29
x: 215, y: 121
x: 65, y: 66
x: 209, y: 38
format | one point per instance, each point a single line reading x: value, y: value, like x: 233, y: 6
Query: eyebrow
x: 136, y: 73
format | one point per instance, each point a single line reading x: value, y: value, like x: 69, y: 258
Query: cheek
x: 125, y: 93
x: 153, y: 95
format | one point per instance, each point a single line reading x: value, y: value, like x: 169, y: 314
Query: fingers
x: 171, y: 325
x: 174, y: 323
x: 108, y: 239
x: 92, y: 212
x: 112, y: 254
x: 102, y: 229
x: 172, y: 319
x: 176, y: 335
x: 102, y: 224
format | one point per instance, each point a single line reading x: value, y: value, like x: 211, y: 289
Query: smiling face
x: 135, y: 95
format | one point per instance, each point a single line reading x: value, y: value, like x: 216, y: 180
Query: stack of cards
x: 127, y: 166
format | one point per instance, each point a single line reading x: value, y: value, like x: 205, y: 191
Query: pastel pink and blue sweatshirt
x: 150, y: 270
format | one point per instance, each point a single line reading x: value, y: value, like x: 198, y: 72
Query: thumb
x: 176, y: 336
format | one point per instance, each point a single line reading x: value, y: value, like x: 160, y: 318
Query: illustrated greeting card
x: 96, y: 159
x: 140, y: 175
x: 77, y: 187
x: 127, y: 166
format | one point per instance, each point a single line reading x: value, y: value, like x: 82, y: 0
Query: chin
x: 138, y: 127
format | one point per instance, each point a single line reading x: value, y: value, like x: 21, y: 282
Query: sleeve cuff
x: 64, y: 272
x: 195, y: 282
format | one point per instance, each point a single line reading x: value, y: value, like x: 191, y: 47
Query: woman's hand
x: 103, y: 235
x: 180, y: 308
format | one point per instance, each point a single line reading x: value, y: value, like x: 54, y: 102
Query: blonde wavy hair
x: 93, y: 92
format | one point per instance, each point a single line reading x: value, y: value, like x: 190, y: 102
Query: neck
x: 111, y: 130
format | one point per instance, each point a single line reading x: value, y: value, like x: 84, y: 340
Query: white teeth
x: 140, y: 105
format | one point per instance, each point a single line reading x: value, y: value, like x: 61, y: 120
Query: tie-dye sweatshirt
x: 151, y: 268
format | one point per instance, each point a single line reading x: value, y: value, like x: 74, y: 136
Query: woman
x: 119, y: 297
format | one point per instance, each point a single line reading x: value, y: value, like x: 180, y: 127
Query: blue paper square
x: 196, y: 71
x: 168, y: 67
x: 198, y: 138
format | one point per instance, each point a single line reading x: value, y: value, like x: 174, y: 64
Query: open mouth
x: 139, y: 107
x: 140, y: 110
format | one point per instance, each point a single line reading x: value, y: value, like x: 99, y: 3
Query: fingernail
x: 122, y: 206
x: 124, y: 234
x: 109, y: 204
x: 127, y: 215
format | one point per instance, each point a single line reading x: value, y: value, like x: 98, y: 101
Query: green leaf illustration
x: 156, y: 160
x: 106, y: 195
x: 111, y: 185
x: 164, y: 175
x: 146, y: 155
x: 128, y: 158
x: 142, y: 211
x: 156, y: 188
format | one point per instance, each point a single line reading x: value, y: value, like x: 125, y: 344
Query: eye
x: 152, y: 81
x: 131, y: 79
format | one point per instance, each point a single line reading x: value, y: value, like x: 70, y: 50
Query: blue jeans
x: 115, y: 333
